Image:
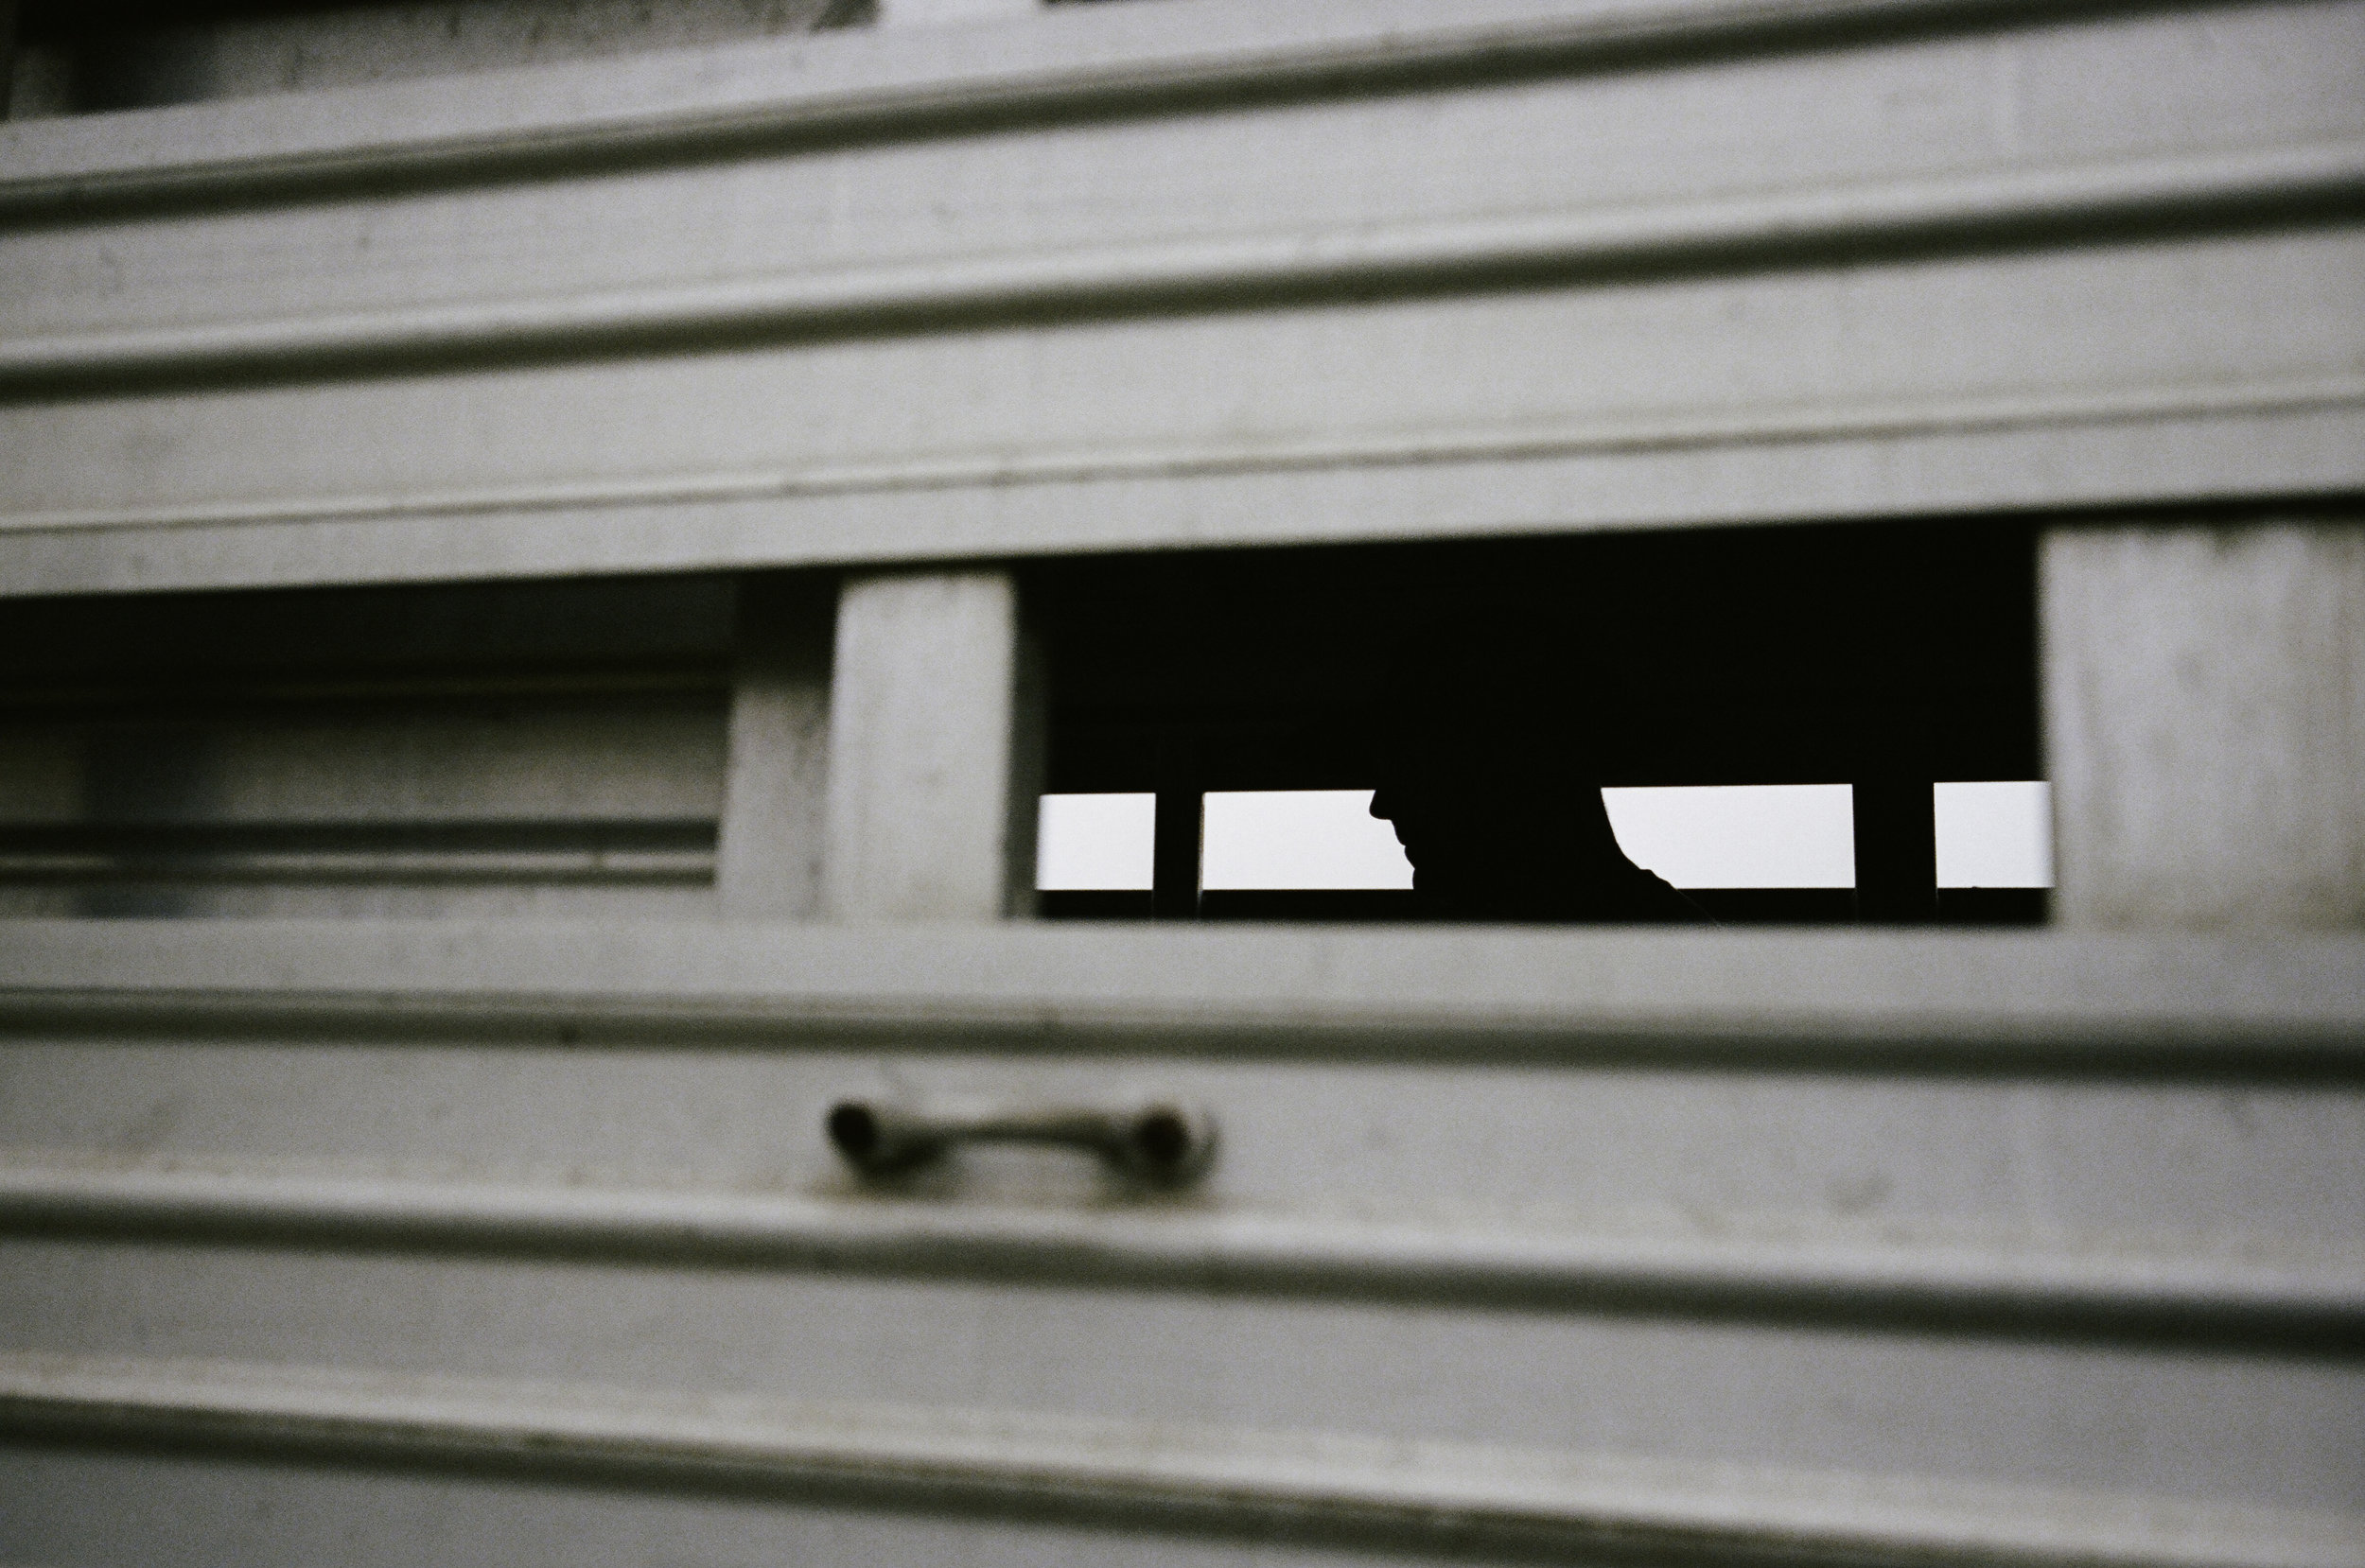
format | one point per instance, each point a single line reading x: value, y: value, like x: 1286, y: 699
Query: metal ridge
x: 1167, y: 1475
x: 853, y: 86
x: 2295, y: 1297
x: 1803, y: 225
x: 1904, y: 1044
x: 1894, y: 419
x: 1898, y: 1002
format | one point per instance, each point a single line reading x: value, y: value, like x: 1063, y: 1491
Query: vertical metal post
x: 2204, y: 692
x: 768, y: 854
x: 1179, y: 832
x: 1896, y: 850
x: 935, y: 750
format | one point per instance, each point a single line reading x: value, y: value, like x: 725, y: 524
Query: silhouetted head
x: 1491, y: 738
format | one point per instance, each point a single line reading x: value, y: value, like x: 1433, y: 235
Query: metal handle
x: 1158, y: 1141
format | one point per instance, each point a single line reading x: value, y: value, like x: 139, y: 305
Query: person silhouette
x: 1489, y: 742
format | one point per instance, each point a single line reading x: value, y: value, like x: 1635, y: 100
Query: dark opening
x: 1884, y: 656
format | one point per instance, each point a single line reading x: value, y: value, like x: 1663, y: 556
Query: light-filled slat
x: 1095, y: 841
x: 1994, y: 834
x: 1741, y: 835
x: 1299, y: 839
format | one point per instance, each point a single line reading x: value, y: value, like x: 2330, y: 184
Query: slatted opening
x: 1821, y: 715
x: 538, y: 749
x: 1722, y: 843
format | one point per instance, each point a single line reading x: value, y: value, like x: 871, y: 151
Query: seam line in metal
x: 1764, y: 427
x: 1804, y: 223
x: 1800, y: 1272
x: 2143, y: 1045
x: 944, y: 90
x: 1413, y: 1491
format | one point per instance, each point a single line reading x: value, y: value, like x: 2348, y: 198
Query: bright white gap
x: 1779, y: 835
x: 1739, y: 835
x: 1094, y: 843
x: 1299, y: 838
x: 1995, y: 834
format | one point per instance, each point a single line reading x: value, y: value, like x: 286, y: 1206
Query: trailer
x: 551, y: 550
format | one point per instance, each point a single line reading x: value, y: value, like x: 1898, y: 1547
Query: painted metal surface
x: 2205, y: 708
x: 1430, y: 1496
x: 1862, y: 263
x: 519, y: 1240
x: 2053, y: 1211
x: 2310, y: 1292
x: 666, y: 101
x: 931, y: 796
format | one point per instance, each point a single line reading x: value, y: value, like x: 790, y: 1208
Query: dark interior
x: 1882, y: 657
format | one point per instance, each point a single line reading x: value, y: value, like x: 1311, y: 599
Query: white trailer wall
x: 518, y: 1240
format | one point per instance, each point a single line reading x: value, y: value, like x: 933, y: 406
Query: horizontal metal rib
x: 2313, y: 1295
x: 1805, y: 225
x: 1434, y: 1496
x: 670, y: 506
x: 851, y: 87
x: 600, y: 851
x: 2181, y: 446
x: 425, y: 868
x: 2042, y: 1002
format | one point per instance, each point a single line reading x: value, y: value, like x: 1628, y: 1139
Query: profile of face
x: 1487, y: 748
x: 1492, y: 823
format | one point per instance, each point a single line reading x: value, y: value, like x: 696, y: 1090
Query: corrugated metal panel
x: 1767, y: 263
x: 1937, y: 1219
x: 383, y: 1239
